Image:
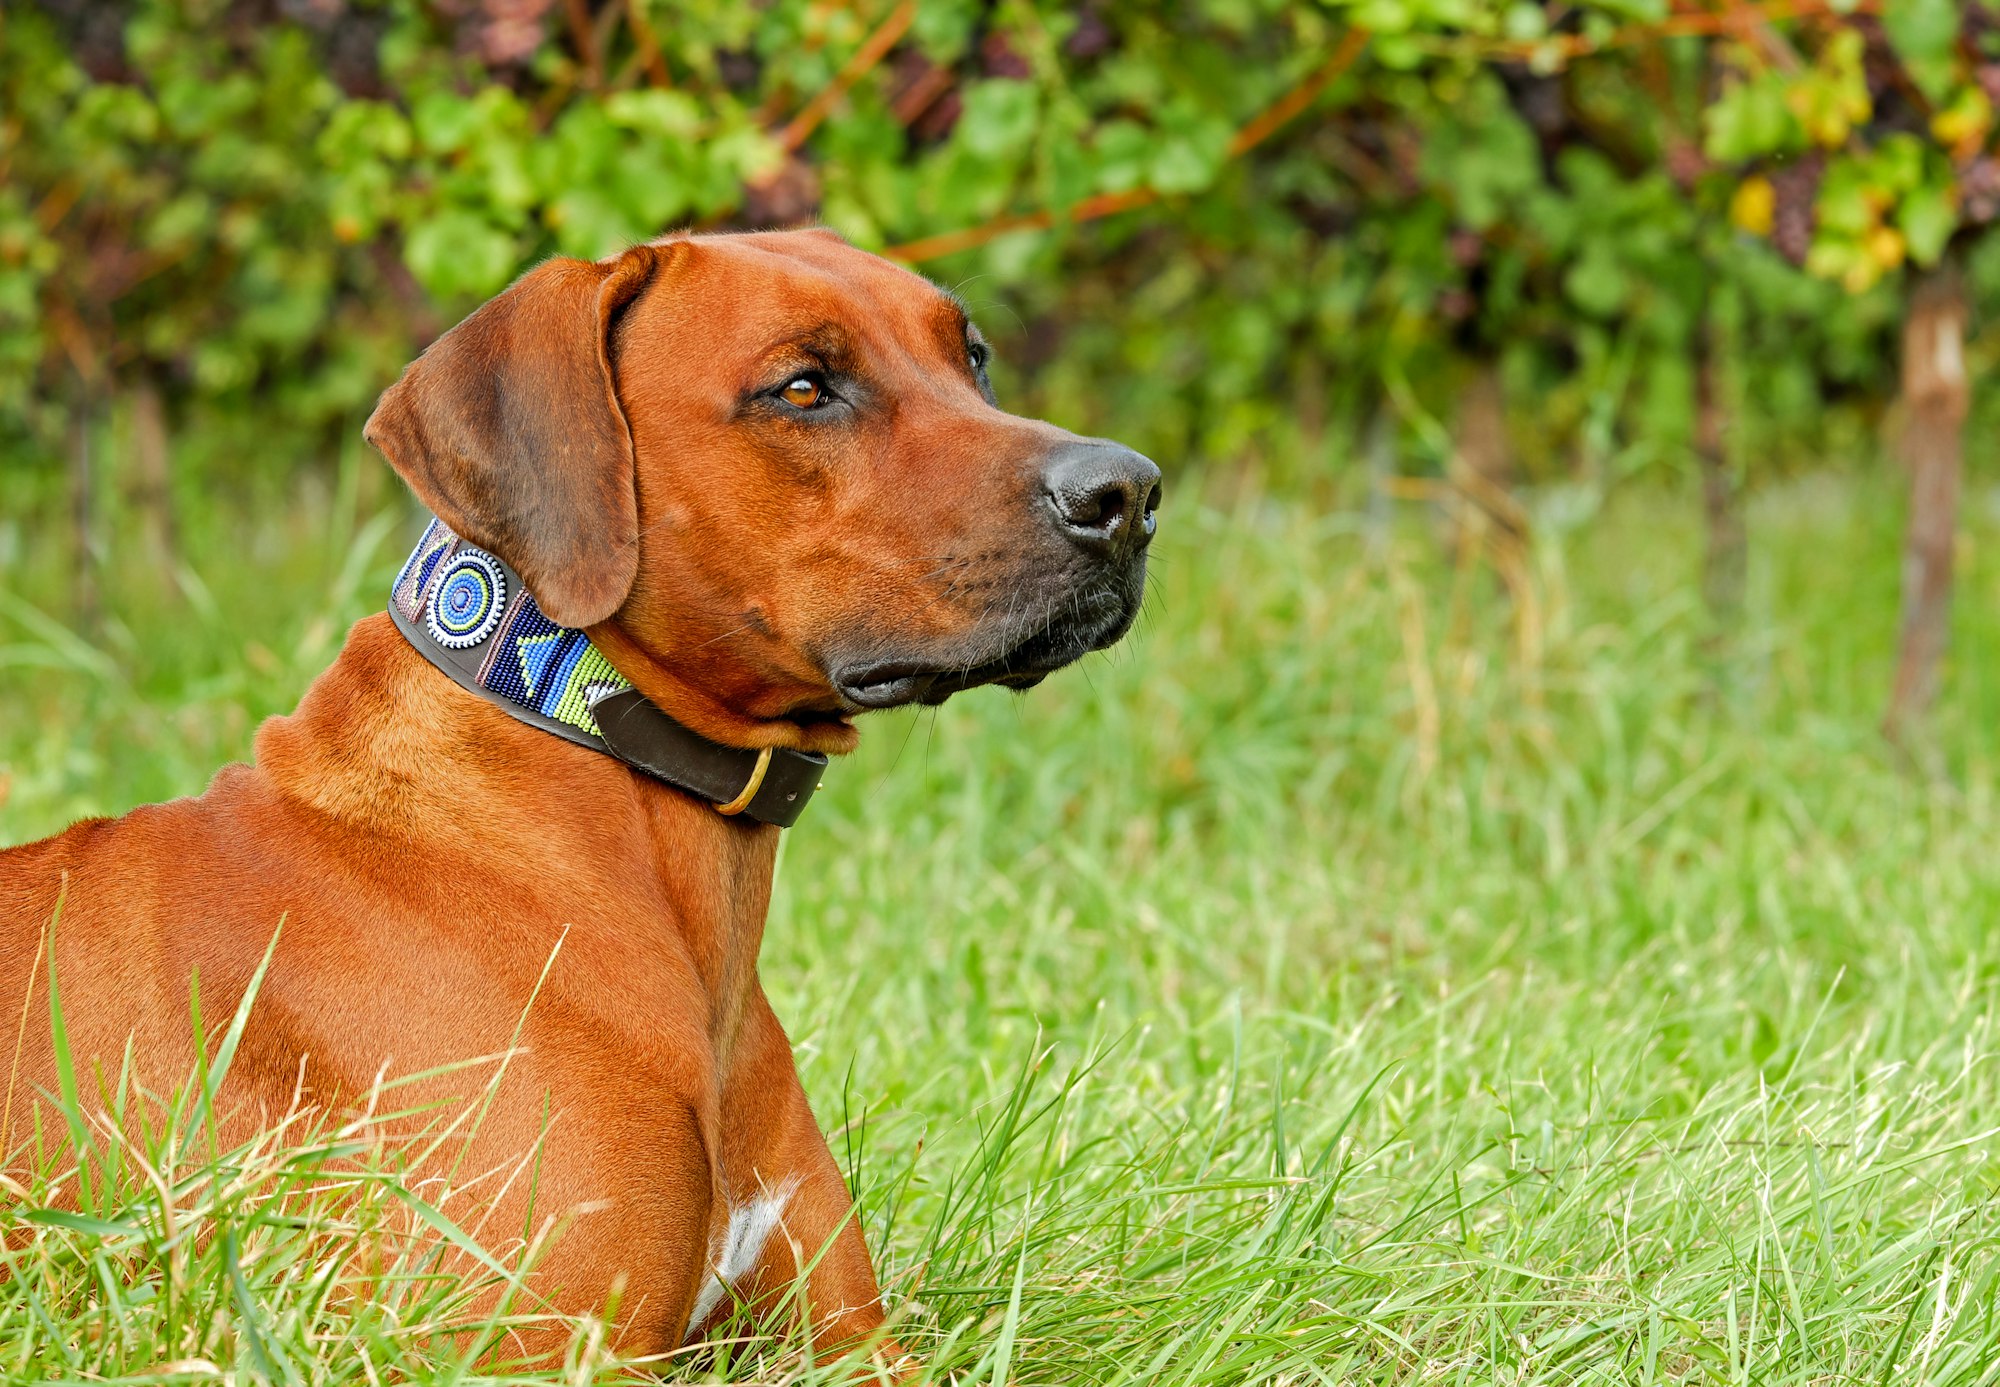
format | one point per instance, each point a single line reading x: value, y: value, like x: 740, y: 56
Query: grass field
x: 1358, y: 977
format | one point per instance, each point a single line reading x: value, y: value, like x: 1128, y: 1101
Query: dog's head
x: 768, y: 474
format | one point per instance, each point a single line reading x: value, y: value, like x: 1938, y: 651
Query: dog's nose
x: 1104, y: 495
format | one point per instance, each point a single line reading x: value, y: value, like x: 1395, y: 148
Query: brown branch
x: 1254, y: 132
x: 50, y: 211
x: 74, y: 338
x: 872, y: 51
x: 923, y: 94
x: 582, y: 34
x: 648, y: 44
x: 951, y: 242
x: 1288, y: 107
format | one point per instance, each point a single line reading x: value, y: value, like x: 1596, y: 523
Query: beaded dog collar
x: 472, y: 617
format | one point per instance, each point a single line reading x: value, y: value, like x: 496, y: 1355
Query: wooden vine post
x: 1726, y: 544
x: 150, y: 490
x: 1936, y: 397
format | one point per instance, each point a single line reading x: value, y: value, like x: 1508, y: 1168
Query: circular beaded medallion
x: 468, y: 602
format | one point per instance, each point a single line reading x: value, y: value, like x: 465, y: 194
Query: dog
x: 698, y: 505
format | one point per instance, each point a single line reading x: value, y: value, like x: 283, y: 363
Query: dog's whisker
x: 734, y: 631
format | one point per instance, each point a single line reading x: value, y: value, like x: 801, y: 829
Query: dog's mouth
x: 1023, y: 661
x: 893, y: 685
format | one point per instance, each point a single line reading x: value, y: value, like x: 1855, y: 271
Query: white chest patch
x: 742, y: 1244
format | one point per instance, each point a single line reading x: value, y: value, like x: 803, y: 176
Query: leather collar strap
x: 470, y: 614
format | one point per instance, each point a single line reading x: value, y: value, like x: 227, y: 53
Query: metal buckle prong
x: 756, y: 783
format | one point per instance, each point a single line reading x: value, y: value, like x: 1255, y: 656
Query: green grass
x: 1330, y: 985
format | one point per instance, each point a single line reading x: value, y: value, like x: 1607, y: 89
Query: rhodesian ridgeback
x: 697, y: 506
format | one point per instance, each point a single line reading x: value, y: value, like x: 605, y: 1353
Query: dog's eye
x: 805, y: 392
x: 978, y: 353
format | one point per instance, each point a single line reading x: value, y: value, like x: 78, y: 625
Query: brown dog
x: 766, y: 474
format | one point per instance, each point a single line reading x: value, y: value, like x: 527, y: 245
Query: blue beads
x: 467, y: 603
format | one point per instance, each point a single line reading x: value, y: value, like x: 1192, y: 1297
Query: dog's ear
x: 510, y: 430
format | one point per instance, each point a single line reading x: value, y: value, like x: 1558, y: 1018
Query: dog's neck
x: 471, y: 615
x: 448, y: 784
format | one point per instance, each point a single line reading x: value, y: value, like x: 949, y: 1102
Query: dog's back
x: 128, y: 917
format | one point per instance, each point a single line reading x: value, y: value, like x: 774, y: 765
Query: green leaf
x: 589, y: 223
x: 1383, y: 16
x: 1181, y: 166
x: 1928, y: 217
x: 1482, y: 155
x: 668, y: 115
x: 999, y: 118
x: 455, y: 252
x: 445, y: 122
x: 1120, y: 150
x: 1925, y: 35
x: 1850, y: 198
x: 1597, y: 283
x: 1751, y: 119
x: 1525, y: 22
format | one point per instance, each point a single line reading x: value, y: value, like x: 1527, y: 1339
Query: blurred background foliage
x: 1380, y: 244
